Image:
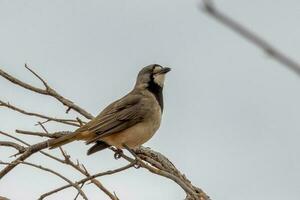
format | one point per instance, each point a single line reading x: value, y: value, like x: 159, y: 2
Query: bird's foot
x: 118, y: 154
x: 136, y: 161
x: 137, y: 164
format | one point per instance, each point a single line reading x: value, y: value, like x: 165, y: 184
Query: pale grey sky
x: 231, y: 119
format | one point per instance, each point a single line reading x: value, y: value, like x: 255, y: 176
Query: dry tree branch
x: 75, y: 185
x: 77, y: 195
x: 18, y: 147
x: 109, y: 172
x: 66, y: 159
x: 41, y: 134
x: 158, y: 164
x: 13, y: 137
x: 71, y: 122
x: 82, y: 169
x: 29, y: 151
x: 162, y: 163
x: 79, y: 167
x: 28, y: 145
x: 47, y: 91
x: 269, y: 49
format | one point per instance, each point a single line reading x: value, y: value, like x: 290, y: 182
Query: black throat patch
x: 157, y: 91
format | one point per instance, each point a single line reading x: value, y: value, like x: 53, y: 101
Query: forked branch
x: 49, y: 91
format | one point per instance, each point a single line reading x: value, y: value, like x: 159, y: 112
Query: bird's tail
x: 62, y: 140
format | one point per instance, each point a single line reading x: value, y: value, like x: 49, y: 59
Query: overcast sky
x: 231, y: 118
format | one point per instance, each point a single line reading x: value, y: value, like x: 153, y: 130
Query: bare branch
x: 30, y: 150
x: 27, y: 153
x: 36, y: 75
x: 165, y: 169
x: 81, y: 123
x: 109, y: 172
x: 25, y: 143
x: 67, y: 160
x: 60, y: 120
x: 269, y: 49
x: 77, y: 195
x: 41, y: 134
x: 43, y: 127
x: 47, y: 91
x: 18, y: 147
x: 13, y: 137
x: 81, y: 168
x: 21, y: 83
x: 75, y: 185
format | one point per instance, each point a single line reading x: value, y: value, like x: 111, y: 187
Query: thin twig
x: 71, y: 122
x: 109, y: 172
x: 29, y: 151
x: 36, y: 75
x: 25, y: 143
x: 18, y: 147
x: 77, y: 195
x: 47, y: 91
x: 13, y: 137
x: 66, y: 159
x: 75, y: 185
x: 82, y: 169
x: 41, y: 134
x: 32, y: 149
x: 43, y: 127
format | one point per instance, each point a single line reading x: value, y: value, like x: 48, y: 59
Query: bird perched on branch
x: 129, y: 121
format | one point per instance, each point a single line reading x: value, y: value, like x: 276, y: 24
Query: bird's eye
x: 156, y: 69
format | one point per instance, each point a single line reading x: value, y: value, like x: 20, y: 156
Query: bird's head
x: 152, y: 74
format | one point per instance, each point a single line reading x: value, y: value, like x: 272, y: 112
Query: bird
x: 127, y: 122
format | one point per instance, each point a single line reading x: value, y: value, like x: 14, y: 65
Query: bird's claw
x: 118, y: 154
x: 136, y: 164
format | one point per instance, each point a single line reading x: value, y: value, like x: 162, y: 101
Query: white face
x: 158, y: 78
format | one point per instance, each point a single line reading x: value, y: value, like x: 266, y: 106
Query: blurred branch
x: 269, y: 49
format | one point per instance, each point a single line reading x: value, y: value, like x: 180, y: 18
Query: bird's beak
x: 164, y: 70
